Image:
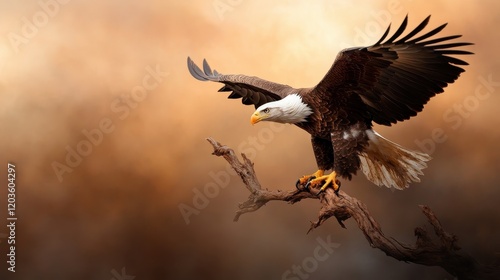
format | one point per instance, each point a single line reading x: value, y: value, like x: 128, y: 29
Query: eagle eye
x: 266, y: 110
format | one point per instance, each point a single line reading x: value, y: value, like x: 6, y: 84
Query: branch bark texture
x: 443, y: 252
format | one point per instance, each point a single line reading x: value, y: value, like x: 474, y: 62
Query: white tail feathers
x: 387, y: 163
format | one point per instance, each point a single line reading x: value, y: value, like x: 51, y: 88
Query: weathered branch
x: 444, y: 253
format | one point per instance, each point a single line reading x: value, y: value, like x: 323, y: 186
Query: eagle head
x: 290, y: 109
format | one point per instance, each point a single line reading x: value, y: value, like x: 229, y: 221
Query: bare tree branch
x: 444, y: 253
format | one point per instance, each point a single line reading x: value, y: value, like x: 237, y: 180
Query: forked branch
x: 444, y: 252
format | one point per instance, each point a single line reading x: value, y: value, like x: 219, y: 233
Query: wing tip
x: 197, y: 73
x: 206, y: 68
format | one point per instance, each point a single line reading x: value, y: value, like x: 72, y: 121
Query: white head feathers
x: 290, y: 109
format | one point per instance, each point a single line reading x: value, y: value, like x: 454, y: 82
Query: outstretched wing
x: 252, y: 90
x: 395, y: 78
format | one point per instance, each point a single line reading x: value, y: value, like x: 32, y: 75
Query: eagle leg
x: 327, y: 179
x: 306, y: 179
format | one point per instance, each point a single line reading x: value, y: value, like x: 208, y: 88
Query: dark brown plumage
x: 387, y: 82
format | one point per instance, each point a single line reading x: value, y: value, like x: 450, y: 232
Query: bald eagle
x: 387, y: 82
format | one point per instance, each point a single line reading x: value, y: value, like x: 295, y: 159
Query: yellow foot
x: 327, y: 179
x: 304, y: 180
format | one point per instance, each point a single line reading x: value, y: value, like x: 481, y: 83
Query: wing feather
x: 395, y: 78
x: 400, y: 30
x: 206, y: 68
x: 415, y: 31
x: 252, y: 90
x: 429, y: 34
x: 385, y: 35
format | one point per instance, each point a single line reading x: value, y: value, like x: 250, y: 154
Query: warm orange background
x: 120, y: 206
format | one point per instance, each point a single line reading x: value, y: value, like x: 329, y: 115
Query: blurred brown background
x: 69, y: 67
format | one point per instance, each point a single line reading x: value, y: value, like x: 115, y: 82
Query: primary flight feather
x: 387, y: 82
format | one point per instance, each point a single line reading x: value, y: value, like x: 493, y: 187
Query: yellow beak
x: 256, y: 117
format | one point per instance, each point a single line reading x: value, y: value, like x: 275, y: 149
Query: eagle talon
x: 320, y: 192
x: 308, y: 182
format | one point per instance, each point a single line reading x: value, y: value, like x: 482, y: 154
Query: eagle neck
x: 294, y: 109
